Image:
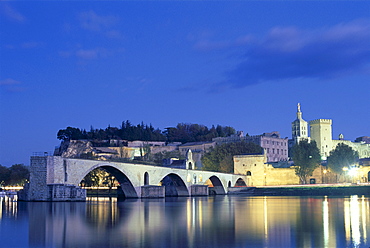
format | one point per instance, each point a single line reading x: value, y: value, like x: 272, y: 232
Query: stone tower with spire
x: 299, y: 127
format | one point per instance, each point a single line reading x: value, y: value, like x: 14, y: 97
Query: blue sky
x: 244, y: 64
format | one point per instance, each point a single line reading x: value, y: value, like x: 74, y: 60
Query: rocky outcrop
x: 74, y: 148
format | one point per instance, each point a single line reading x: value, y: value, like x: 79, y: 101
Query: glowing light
x: 265, y: 219
x: 352, y: 171
x: 1, y: 207
x: 188, y: 178
x: 364, y: 224
x: 355, y: 220
x: 325, y: 221
x: 347, y: 220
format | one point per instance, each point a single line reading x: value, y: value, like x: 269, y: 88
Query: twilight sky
x: 244, y: 64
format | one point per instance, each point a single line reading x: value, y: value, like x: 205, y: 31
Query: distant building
x: 299, y: 127
x: 187, y: 163
x: 198, y: 149
x: 275, y: 148
x: 321, y: 133
x: 363, y: 139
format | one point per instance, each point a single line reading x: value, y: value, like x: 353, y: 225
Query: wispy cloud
x: 89, y: 54
x: 11, y: 85
x: 24, y: 45
x: 29, y: 45
x: 9, y: 81
x: 11, y: 13
x: 290, y: 52
x: 105, y: 25
x: 205, y: 43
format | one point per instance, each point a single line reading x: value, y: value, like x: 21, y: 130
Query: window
x: 146, y: 178
x: 273, y: 151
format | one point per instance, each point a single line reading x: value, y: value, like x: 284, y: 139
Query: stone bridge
x: 54, y: 178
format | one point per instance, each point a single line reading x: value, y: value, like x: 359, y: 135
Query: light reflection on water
x: 220, y: 221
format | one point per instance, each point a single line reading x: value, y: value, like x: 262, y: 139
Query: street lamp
x: 324, y: 176
x: 352, y: 172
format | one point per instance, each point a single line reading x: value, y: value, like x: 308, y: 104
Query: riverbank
x: 303, y: 190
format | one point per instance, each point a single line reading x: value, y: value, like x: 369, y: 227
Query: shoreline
x: 303, y: 190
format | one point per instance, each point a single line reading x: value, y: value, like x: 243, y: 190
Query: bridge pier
x: 152, y: 191
x: 40, y: 190
x: 199, y: 190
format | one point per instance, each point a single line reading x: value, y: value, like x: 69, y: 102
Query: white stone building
x: 321, y: 133
x: 275, y: 147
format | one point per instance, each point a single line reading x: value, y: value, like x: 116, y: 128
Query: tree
x: 306, y: 157
x: 220, y: 158
x: 4, y: 175
x: 160, y: 156
x: 343, y: 156
x: 70, y: 133
x: 19, y: 175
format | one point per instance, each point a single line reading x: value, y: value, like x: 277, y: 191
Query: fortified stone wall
x: 258, y: 173
x: 44, y: 178
x: 37, y: 188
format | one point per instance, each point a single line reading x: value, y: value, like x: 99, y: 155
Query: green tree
x: 96, y: 178
x: 159, y: 156
x: 19, y: 175
x: 70, y: 133
x: 4, y: 175
x: 220, y: 158
x: 306, y: 157
x: 342, y: 156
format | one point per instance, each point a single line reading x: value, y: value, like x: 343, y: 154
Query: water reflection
x: 221, y: 221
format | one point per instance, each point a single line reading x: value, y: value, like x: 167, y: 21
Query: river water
x: 217, y: 221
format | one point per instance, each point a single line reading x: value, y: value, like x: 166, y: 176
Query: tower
x: 320, y: 130
x: 190, y: 164
x: 299, y: 127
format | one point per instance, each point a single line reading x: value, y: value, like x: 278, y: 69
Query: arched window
x: 249, y: 173
x: 146, y: 178
x: 229, y: 184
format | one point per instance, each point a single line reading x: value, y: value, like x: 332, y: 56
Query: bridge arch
x: 174, y: 185
x: 215, y: 186
x: 240, y: 183
x: 126, y: 188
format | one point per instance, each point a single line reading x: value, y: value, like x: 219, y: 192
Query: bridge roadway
x: 56, y: 179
